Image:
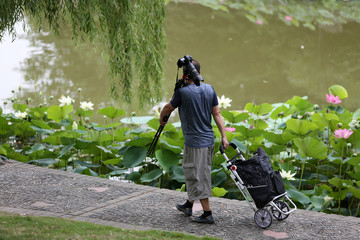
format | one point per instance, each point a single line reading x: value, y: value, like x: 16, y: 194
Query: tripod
x: 156, y: 138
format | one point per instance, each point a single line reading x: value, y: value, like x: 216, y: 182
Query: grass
x: 14, y: 226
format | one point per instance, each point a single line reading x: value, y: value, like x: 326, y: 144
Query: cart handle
x: 231, y: 144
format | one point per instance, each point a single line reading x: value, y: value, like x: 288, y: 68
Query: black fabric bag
x: 262, y: 182
x: 278, y: 183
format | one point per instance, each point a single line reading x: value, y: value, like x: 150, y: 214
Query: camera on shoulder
x: 190, y: 69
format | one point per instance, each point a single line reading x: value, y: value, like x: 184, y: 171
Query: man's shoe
x: 186, y: 211
x: 202, y: 219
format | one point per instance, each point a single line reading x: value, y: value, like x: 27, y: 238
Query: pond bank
x: 32, y: 190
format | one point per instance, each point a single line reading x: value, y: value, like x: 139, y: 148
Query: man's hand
x: 225, y: 142
x: 220, y: 124
x: 164, y: 120
x: 165, y: 114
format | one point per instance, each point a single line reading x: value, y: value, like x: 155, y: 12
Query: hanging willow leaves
x: 129, y: 32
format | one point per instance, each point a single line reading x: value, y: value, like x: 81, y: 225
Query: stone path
x: 39, y: 191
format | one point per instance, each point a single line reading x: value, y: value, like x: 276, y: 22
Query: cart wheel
x: 283, y: 206
x: 263, y: 218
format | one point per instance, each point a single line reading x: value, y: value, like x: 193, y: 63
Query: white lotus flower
x: 20, y: 114
x: 74, y: 126
x: 287, y: 175
x: 87, y: 105
x: 327, y: 199
x: 66, y: 101
x: 224, y: 102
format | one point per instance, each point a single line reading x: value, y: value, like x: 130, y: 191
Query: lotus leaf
x: 310, y: 147
x: 177, y: 173
x: 58, y: 113
x: 133, y: 156
x: 298, y: 196
x: 339, y: 91
x: 166, y: 159
x: 134, y: 176
x: 111, y: 112
x: 151, y: 176
x: 218, y: 192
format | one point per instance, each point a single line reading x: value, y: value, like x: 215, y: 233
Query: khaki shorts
x: 197, y: 171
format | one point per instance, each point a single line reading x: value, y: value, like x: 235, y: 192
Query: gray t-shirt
x: 195, y: 108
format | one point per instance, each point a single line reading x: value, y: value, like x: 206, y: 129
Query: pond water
x: 244, y: 61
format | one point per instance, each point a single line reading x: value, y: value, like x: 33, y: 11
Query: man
x: 196, y: 106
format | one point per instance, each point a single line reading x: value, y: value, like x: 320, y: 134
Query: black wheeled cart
x: 261, y: 186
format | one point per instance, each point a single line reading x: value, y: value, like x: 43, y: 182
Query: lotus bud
x: 339, y: 125
x: 133, y: 114
x: 74, y: 126
x: 316, y: 107
x: 40, y: 93
x: 19, y: 87
x: 327, y: 111
x: 12, y: 91
x: 251, y: 127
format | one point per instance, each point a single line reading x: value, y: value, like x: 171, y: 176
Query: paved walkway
x: 32, y: 190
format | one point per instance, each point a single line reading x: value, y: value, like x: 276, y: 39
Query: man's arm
x: 220, y: 124
x: 167, y: 110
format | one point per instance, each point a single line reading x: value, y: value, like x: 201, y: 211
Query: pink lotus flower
x: 230, y: 129
x: 332, y: 99
x: 259, y: 22
x: 342, y: 133
x: 288, y: 18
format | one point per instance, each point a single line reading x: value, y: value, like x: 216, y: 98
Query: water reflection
x: 266, y: 63
x: 243, y: 61
x: 60, y: 68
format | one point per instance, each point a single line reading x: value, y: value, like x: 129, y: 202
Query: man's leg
x: 206, y: 217
x: 205, y: 204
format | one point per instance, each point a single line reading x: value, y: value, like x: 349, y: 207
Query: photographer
x: 197, y: 102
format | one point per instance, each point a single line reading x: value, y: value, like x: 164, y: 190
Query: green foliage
x: 58, y: 113
x: 151, y: 176
x: 218, y: 192
x: 134, y: 156
x: 309, y: 14
x: 112, y: 112
x: 310, y: 147
x: 130, y: 33
x: 298, y: 140
x: 166, y: 159
x: 339, y: 91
